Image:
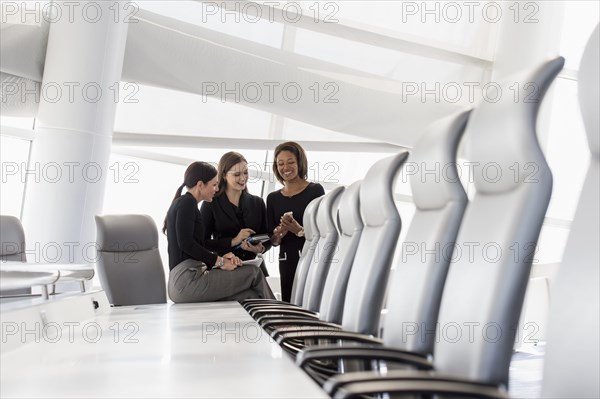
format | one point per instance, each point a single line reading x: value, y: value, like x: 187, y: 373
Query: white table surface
x: 184, y: 350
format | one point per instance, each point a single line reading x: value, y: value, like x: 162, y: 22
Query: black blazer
x: 222, y: 222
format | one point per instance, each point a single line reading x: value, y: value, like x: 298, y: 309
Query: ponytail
x: 177, y: 195
x: 178, y: 192
x: 197, y: 171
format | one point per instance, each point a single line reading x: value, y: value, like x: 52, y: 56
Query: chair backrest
x: 490, y: 266
x: 129, y: 264
x: 12, y: 249
x: 571, y: 366
x: 371, y: 269
x: 351, y: 226
x: 325, y: 250
x: 311, y: 235
x: 13, y: 239
x: 415, y: 291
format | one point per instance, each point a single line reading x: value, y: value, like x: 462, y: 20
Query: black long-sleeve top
x: 223, y: 221
x: 278, y: 204
x: 185, y: 233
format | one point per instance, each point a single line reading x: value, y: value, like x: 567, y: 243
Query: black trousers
x: 288, y: 264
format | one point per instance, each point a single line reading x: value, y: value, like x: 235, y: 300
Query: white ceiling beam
x: 167, y: 140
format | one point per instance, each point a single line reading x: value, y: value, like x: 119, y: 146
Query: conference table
x: 76, y: 345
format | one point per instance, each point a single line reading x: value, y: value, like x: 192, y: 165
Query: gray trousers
x: 191, y: 281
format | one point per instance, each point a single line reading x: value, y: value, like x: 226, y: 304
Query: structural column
x: 68, y: 163
x: 530, y: 32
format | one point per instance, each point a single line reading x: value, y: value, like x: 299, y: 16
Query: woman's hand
x: 290, y: 224
x: 231, y: 262
x: 278, y: 233
x: 242, y: 235
x: 257, y: 249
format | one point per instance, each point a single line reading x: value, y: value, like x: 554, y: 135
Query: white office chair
x: 259, y: 307
x: 572, y: 362
x: 334, y: 292
x: 372, y: 262
x: 484, y: 291
x: 416, y: 289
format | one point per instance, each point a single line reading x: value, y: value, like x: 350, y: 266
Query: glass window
x: 580, y: 19
x: 340, y: 167
x: 154, y: 110
x: 465, y: 25
x: 551, y: 244
x: 19, y: 122
x: 14, y: 156
x: 567, y: 151
x: 245, y: 23
x: 389, y: 64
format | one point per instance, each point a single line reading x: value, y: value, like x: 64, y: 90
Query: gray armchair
x: 129, y: 264
x: 12, y: 249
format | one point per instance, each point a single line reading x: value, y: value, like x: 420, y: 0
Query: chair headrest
x: 12, y: 234
x: 126, y: 233
x: 377, y: 202
x: 435, y: 180
x: 349, y: 210
x: 325, y: 214
x: 588, y: 83
x: 309, y: 222
x: 506, y: 151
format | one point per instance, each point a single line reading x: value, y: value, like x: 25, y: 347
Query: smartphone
x: 290, y: 214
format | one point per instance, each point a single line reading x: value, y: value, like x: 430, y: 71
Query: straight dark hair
x: 195, y: 172
x: 300, y: 155
x: 228, y: 161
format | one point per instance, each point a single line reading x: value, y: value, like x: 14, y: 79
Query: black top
x: 278, y: 204
x: 185, y: 233
x: 223, y: 221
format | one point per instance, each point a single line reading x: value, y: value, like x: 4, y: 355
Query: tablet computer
x: 255, y: 239
x: 258, y: 238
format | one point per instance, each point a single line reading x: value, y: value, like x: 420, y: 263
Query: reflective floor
x: 526, y: 370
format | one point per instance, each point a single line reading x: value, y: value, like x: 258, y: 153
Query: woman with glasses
x: 234, y: 214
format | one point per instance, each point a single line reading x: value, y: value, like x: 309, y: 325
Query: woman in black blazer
x: 234, y: 214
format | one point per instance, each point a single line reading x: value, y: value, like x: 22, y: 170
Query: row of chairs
x: 453, y: 314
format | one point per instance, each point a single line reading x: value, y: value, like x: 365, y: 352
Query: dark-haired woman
x: 290, y: 168
x: 197, y: 273
x: 235, y: 214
